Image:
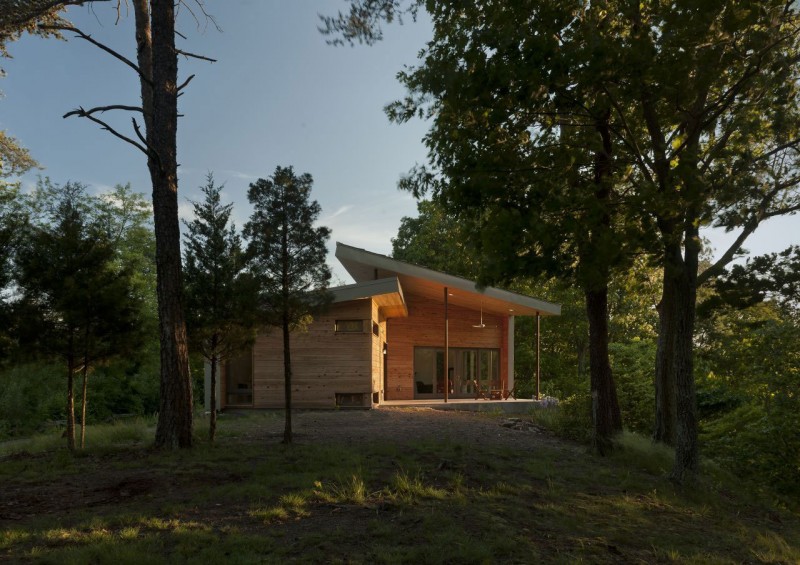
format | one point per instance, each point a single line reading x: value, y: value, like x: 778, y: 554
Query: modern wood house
x: 388, y: 337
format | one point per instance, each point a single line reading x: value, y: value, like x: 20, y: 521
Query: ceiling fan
x: 481, y: 325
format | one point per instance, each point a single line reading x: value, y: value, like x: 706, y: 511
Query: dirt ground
x: 399, y: 425
x: 109, y: 482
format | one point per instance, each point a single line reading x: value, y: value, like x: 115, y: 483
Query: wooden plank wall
x: 424, y: 327
x: 377, y: 351
x: 323, y: 362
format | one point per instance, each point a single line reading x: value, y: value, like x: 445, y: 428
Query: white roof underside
x: 365, y: 266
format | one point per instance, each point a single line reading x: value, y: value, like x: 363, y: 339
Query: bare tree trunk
x: 687, y: 463
x: 83, y: 402
x: 70, y: 401
x: 606, y: 416
x: 668, y: 313
x: 158, y: 63
x: 212, y: 425
x: 287, y: 382
x: 287, y: 357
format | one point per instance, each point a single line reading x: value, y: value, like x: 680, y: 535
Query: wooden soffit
x: 365, y: 266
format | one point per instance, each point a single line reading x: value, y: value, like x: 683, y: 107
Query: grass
x: 242, y: 501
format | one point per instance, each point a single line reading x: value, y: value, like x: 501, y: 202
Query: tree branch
x: 749, y: 227
x: 84, y: 114
x: 185, y: 83
x: 96, y: 43
x: 195, y: 56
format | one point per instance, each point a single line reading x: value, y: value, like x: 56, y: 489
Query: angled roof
x: 366, y: 266
x: 387, y: 294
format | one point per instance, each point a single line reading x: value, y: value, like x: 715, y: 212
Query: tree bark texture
x: 686, y: 463
x: 174, y: 427
x: 212, y: 425
x: 70, y: 402
x: 287, y: 356
x: 606, y: 416
x: 287, y: 376
x: 665, y: 413
x: 84, y: 387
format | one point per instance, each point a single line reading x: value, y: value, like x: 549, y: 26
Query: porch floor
x: 510, y: 406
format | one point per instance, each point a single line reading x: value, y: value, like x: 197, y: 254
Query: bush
x: 31, y: 395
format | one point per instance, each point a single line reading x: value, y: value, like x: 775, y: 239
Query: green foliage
x: 774, y: 276
x: 84, y: 301
x: 286, y: 252
x: 32, y: 394
x: 633, y: 364
x: 84, y: 271
x: 219, y: 296
x: 748, y: 393
x: 437, y: 240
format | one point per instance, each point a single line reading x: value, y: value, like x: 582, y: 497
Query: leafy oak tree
x: 287, y: 259
x: 218, y: 293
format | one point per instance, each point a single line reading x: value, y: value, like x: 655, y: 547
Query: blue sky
x: 278, y: 95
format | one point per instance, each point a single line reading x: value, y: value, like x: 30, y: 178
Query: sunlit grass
x: 427, y: 501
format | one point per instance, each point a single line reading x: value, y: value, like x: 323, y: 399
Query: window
x: 350, y: 326
x: 376, y: 329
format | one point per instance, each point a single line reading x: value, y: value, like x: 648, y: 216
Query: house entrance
x: 467, y: 365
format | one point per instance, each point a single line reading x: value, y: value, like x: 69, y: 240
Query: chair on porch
x: 480, y: 392
x: 512, y: 392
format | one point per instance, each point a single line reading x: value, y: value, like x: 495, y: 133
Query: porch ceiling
x: 364, y: 266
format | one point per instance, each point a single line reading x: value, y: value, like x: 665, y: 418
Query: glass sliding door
x: 426, y: 363
x: 467, y: 366
x: 489, y: 369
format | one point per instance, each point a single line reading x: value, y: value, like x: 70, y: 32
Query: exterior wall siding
x: 324, y: 362
x: 424, y: 327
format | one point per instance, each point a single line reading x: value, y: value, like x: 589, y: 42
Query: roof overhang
x: 386, y: 293
x: 365, y: 266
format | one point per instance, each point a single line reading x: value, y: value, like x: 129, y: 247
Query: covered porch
x: 509, y: 406
x: 456, y: 341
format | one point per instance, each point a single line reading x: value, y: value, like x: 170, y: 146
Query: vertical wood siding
x: 424, y: 326
x: 323, y: 362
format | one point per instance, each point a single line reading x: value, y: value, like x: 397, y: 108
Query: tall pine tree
x: 218, y: 295
x: 287, y: 255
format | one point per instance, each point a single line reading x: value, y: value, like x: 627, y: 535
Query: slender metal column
x: 446, y: 348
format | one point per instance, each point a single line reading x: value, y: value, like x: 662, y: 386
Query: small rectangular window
x: 376, y: 329
x: 349, y: 326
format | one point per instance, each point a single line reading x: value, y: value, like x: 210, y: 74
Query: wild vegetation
x: 375, y: 487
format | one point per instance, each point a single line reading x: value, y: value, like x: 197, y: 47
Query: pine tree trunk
x: 84, y: 387
x: 70, y: 401
x: 606, y: 416
x: 212, y: 426
x: 287, y: 376
x: 160, y: 104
